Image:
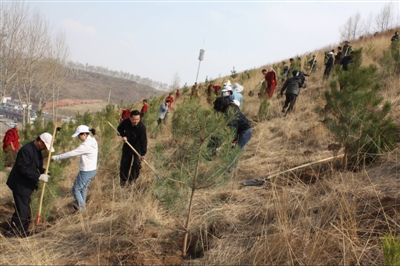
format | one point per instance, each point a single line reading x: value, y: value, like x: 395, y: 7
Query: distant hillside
x: 84, y: 85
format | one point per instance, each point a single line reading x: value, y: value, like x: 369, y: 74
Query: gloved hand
x: 54, y: 158
x: 44, y: 178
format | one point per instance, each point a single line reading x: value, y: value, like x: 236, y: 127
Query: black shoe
x: 283, y: 110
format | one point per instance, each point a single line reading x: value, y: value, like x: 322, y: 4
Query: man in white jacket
x: 88, y: 152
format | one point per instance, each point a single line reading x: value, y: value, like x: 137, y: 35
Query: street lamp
x: 201, y: 58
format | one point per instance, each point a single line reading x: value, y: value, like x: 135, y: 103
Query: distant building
x: 6, y: 99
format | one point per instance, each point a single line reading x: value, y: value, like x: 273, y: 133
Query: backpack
x: 326, y: 56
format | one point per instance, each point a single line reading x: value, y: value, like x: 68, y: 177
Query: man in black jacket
x: 395, y: 37
x: 292, y: 87
x: 23, y: 178
x: 347, y: 60
x: 132, y: 130
x: 328, y: 65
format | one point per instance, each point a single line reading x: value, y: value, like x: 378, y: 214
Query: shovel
x: 260, y: 182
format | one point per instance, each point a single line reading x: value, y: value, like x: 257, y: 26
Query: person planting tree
x: 163, y: 111
x: 143, y: 111
x: 88, y: 153
x: 237, y: 121
x: 24, y: 176
x: 292, y: 87
x: 133, y: 132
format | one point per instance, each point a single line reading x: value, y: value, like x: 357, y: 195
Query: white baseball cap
x: 81, y: 129
x: 47, y: 139
x: 227, y: 88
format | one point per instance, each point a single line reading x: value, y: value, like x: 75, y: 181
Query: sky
x: 157, y: 39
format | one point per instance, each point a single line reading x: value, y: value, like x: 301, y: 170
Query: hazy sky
x: 157, y: 39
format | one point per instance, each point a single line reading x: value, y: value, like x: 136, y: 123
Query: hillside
x: 82, y: 85
x: 321, y: 214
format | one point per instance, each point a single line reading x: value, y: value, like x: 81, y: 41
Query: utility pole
x: 109, y: 97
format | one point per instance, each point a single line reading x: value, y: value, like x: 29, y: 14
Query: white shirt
x: 88, y: 151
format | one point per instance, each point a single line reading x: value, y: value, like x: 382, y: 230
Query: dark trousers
x: 290, y: 101
x: 129, y: 171
x: 327, y: 71
x: 22, y: 215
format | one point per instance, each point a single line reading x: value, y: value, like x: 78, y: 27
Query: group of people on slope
x: 28, y: 167
x: 343, y: 57
x: 28, y: 170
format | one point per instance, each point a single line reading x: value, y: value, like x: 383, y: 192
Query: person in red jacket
x: 144, y: 108
x: 171, y: 100
x: 270, y: 79
x: 11, y: 145
x: 124, y: 114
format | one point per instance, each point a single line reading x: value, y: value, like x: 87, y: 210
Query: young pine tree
x: 194, y: 164
x: 357, y: 115
x: 391, y: 249
x: 263, y: 109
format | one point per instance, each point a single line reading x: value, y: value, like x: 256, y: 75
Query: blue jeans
x: 244, y: 138
x: 242, y: 141
x: 79, y: 189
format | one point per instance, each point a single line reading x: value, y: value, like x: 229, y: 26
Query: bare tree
x: 352, y: 28
x: 176, y: 81
x: 367, y: 25
x: 13, y: 16
x: 59, y: 56
x: 32, y: 64
x: 384, y: 20
x: 36, y: 50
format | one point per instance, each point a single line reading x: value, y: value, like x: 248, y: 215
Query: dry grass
x: 316, y: 215
x: 81, y: 108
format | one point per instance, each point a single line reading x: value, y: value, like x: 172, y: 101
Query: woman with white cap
x: 232, y: 93
x: 88, y: 152
x: 237, y: 120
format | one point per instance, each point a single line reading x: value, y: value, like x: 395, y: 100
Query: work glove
x: 44, y: 178
x: 54, y: 158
